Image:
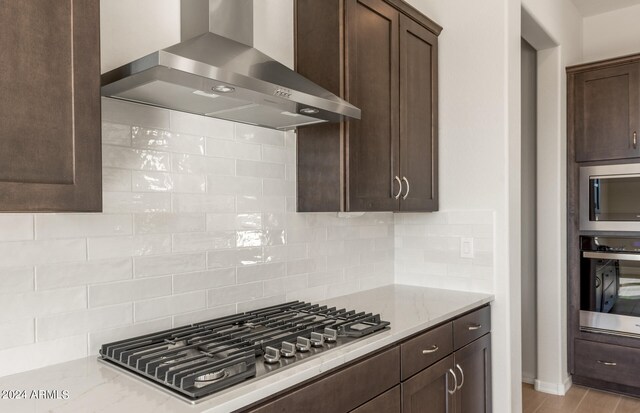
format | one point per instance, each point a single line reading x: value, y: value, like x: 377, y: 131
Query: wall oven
x: 610, y: 198
x: 610, y: 285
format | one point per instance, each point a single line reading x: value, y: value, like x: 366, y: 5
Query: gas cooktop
x: 198, y: 360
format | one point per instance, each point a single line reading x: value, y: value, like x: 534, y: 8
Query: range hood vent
x: 213, y: 75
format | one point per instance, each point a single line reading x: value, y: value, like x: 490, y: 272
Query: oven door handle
x: 611, y: 256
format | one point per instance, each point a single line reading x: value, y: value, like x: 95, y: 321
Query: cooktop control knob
x: 330, y: 335
x: 317, y: 340
x: 303, y: 344
x: 288, y: 350
x: 271, y: 355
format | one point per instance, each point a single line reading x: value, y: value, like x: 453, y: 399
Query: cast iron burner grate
x: 200, y: 359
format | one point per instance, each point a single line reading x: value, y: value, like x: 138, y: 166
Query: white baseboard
x: 528, y: 380
x: 559, y: 389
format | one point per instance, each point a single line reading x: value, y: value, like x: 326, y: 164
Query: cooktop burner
x: 195, y: 361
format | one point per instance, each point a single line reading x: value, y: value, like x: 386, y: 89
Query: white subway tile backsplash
x: 166, y: 306
x: 17, y: 333
x: 169, y: 264
x: 83, y: 273
x: 135, y: 159
x: 86, y: 321
x: 223, y: 148
x: 128, y: 291
x: 258, y: 169
x: 199, y: 222
x: 203, y: 241
x: 51, y: 226
x: 127, y: 202
x: 162, y: 140
x: 146, y: 181
x: 234, y: 294
x: 26, y: 253
x: 110, y: 247
x: 163, y: 223
x: 256, y: 134
x: 188, y: 203
x: 16, y: 280
x: 203, y: 165
x: 115, y: 134
x: 261, y: 272
x: 234, y: 185
x: 203, y: 280
x: 16, y: 227
x: 41, y: 303
x: 116, y: 180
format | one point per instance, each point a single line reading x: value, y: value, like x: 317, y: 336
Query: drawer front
x: 471, y: 327
x: 388, y: 402
x: 615, y: 364
x: 343, y: 391
x: 422, y: 351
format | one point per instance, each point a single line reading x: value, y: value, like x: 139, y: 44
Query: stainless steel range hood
x: 219, y: 74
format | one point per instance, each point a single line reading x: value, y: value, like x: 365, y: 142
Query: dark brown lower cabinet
x: 436, y: 390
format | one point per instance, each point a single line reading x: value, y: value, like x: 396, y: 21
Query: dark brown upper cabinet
x: 50, y: 148
x: 382, y: 56
x: 605, y: 105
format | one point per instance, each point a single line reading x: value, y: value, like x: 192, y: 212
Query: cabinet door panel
x: 50, y: 149
x: 372, y: 85
x: 607, y: 113
x: 426, y: 392
x: 418, y: 116
x: 474, y: 393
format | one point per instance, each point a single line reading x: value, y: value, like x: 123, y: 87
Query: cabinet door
x: 388, y: 402
x: 372, y: 62
x: 473, y: 369
x: 418, y: 117
x: 50, y: 153
x: 607, y: 113
x: 428, y: 391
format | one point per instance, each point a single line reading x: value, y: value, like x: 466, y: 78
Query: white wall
x: 559, y: 45
x: 612, y: 34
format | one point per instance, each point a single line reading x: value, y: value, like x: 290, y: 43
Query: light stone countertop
x: 95, y: 387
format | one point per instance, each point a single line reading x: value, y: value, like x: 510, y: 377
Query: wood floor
x: 577, y: 400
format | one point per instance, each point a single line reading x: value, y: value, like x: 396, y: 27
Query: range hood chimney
x: 215, y: 71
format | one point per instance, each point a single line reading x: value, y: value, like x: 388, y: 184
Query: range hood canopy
x: 220, y: 75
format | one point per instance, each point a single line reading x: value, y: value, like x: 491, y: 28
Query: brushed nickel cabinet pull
x: 397, y: 196
x: 431, y: 350
x: 455, y: 382
x: 408, y: 187
x: 461, y: 377
x: 635, y: 139
x: 474, y: 327
x: 607, y: 363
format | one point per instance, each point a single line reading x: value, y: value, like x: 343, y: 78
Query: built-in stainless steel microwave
x: 610, y: 198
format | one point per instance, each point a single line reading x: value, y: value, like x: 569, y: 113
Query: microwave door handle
x: 611, y: 256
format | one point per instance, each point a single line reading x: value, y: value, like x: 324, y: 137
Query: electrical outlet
x: 466, y: 248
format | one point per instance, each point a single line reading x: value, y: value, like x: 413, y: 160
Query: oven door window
x: 611, y: 286
x: 614, y: 198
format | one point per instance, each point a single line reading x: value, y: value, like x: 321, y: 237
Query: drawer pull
x: 455, y: 382
x: 474, y: 327
x: 607, y: 363
x: 431, y: 350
